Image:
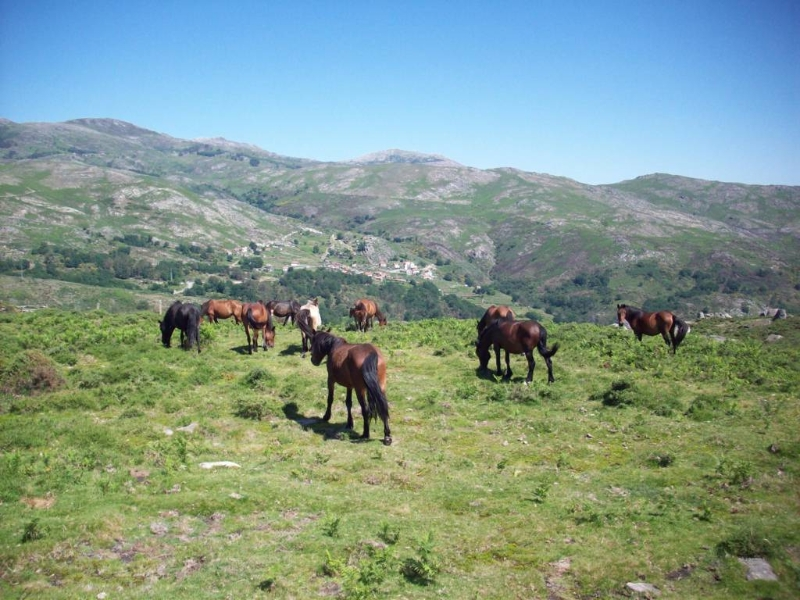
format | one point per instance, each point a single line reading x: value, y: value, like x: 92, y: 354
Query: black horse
x: 185, y: 317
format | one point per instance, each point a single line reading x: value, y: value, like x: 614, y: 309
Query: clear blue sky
x: 598, y: 91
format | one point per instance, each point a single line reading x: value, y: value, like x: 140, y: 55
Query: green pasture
x: 634, y: 466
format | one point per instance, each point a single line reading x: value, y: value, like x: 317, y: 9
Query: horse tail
x: 378, y: 404
x: 303, y: 324
x: 679, y: 330
x: 542, y: 346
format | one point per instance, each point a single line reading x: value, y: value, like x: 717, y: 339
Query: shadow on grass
x: 320, y: 427
x: 292, y: 349
x: 485, y: 374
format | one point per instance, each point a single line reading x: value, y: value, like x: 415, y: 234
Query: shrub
x: 30, y: 373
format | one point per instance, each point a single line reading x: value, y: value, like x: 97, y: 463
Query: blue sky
x: 597, y: 91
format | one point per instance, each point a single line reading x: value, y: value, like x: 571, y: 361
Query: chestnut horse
x: 355, y: 366
x: 287, y: 309
x: 370, y: 310
x: 221, y: 309
x: 663, y: 322
x: 493, y: 313
x: 515, y: 337
x: 308, y: 322
x: 255, y: 316
x: 185, y: 317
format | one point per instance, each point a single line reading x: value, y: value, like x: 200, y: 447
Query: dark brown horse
x: 255, y: 316
x: 359, y: 367
x: 370, y: 311
x: 515, y: 337
x: 287, y: 309
x: 493, y: 313
x: 185, y: 317
x: 221, y: 309
x: 663, y: 322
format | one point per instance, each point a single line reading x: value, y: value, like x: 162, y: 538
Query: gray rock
x: 758, y: 568
x: 643, y: 588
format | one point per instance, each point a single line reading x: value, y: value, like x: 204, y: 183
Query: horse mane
x: 631, y: 310
x: 326, y: 342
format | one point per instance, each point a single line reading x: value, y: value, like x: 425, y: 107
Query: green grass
x: 633, y: 466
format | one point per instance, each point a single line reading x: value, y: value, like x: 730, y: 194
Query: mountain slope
x: 552, y: 243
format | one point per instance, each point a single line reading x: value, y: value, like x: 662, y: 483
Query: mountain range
x: 564, y: 248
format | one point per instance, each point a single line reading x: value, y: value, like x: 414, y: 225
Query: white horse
x: 308, y: 321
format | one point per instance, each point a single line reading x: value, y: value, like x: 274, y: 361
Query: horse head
x: 622, y: 314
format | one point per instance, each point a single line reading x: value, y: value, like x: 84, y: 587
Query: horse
x: 255, y: 316
x: 515, y: 337
x: 355, y: 366
x: 670, y: 326
x: 185, y: 317
x: 371, y: 310
x: 360, y: 317
x: 287, y: 309
x: 308, y: 322
x: 221, y: 309
x: 493, y: 313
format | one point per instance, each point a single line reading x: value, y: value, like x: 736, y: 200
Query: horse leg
x: 497, y: 359
x: 508, y: 366
x: 183, y: 339
x: 249, y: 344
x: 349, y: 403
x: 365, y: 414
x: 327, y: 416
x: 549, y: 362
x: 531, y: 366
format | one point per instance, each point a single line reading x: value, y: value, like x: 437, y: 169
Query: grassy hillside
x: 635, y: 465
x: 661, y: 241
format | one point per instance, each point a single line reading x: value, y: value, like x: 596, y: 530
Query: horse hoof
x: 387, y: 441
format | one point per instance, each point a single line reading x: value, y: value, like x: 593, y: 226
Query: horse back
x: 518, y: 337
x: 346, y: 360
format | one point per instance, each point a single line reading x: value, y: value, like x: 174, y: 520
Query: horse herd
x: 362, y: 367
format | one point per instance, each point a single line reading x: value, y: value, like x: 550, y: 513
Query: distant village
x: 384, y: 271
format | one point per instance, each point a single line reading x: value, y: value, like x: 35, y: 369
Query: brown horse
x: 515, y: 337
x: 493, y: 313
x: 255, y: 316
x: 360, y: 317
x: 221, y: 309
x: 663, y: 322
x: 355, y: 366
x: 371, y: 310
x: 287, y: 309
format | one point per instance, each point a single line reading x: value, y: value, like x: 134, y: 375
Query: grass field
x: 634, y: 466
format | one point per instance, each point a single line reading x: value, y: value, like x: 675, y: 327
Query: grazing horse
x: 287, y: 309
x: 669, y: 325
x: 221, y: 309
x: 185, y: 317
x: 370, y: 310
x: 494, y: 313
x: 255, y: 316
x: 515, y: 337
x: 355, y: 366
x: 308, y: 322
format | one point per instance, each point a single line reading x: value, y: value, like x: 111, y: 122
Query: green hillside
x: 239, y: 213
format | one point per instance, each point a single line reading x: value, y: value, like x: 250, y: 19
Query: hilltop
x: 549, y: 243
